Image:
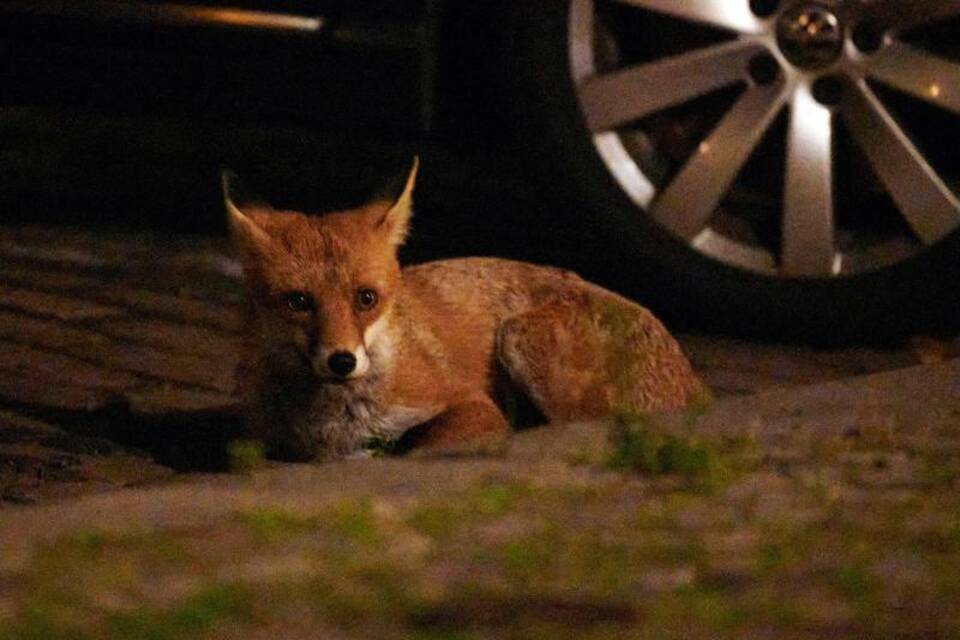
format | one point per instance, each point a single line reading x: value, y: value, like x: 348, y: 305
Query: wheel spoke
x: 689, y: 201
x: 918, y: 73
x: 730, y: 15
x: 614, y: 99
x: 808, y: 222
x: 928, y: 205
x: 899, y: 15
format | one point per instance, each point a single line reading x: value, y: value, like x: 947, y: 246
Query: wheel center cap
x: 810, y: 36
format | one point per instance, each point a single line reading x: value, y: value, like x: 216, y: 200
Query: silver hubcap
x: 812, y: 69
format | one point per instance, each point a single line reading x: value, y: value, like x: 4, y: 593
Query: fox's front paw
x: 486, y: 444
x: 472, y: 428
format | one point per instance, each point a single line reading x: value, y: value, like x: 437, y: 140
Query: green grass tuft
x: 639, y: 448
x: 245, y: 456
x: 706, y: 464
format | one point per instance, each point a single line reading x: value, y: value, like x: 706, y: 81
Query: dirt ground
x: 808, y: 501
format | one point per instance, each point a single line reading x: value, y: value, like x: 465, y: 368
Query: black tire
x: 623, y: 249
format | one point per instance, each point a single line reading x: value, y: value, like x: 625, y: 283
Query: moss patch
x: 354, y: 523
x: 192, y: 616
x: 272, y: 524
x: 788, y: 542
x: 441, y: 519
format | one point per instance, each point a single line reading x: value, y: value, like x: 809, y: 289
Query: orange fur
x: 431, y: 347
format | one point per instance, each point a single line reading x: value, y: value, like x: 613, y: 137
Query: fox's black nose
x: 342, y: 363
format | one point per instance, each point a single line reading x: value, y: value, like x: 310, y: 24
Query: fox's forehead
x: 328, y: 250
x: 310, y: 238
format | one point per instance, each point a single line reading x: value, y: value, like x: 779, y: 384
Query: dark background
x: 113, y: 123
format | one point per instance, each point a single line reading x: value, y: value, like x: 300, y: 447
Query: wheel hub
x: 792, y: 138
x: 810, y: 36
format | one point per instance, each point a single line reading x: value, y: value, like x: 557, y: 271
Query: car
x: 755, y: 167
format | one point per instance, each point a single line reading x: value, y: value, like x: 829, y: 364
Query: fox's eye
x: 298, y: 301
x: 366, y: 299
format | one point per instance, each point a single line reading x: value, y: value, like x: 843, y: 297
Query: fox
x: 344, y: 347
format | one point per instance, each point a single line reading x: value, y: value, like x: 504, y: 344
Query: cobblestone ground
x: 144, y: 323
x: 781, y: 511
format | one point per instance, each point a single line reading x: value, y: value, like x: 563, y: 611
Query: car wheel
x: 788, y: 169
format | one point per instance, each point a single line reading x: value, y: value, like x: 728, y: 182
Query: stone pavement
x: 803, y: 503
x: 88, y: 320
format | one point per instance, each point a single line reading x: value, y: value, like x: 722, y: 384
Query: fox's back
x: 545, y: 312
x: 492, y: 287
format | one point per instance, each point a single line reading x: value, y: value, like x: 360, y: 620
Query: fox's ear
x: 396, y: 221
x: 246, y: 233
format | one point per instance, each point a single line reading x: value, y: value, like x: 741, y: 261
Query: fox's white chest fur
x: 347, y: 418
